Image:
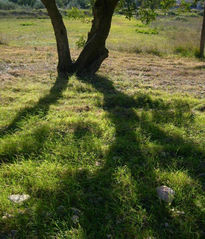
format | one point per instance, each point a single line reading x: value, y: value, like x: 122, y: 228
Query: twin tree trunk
x: 94, y: 52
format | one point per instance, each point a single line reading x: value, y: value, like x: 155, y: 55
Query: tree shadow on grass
x: 123, y: 111
x: 40, y: 134
x: 119, y: 200
x: 115, y: 208
x: 41, y: 108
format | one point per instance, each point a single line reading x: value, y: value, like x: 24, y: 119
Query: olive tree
x: 94, y: 51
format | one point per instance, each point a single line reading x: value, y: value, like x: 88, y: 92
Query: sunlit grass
x: 174, y: 36
x: 104, y: 152
x: 97, y: 146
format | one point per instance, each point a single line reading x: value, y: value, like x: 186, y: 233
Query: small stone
x: 18, y: 198
x: 165, y: 194
x: 166, y: 224
x: 180, y: 212
x: 75, y: 219
x: 177, y: 212
x: 97, y: 164
x: 76, y: 211
x: 6, y: 216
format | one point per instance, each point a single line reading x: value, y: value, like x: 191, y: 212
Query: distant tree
x: 202, y: 42
x: 79, y: 3
x: 60, y: 3
x: 6, y: 5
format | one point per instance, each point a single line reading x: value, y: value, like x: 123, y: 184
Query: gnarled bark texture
x: 202, y: 42
x: 65, y: 64
x: 94, y: 52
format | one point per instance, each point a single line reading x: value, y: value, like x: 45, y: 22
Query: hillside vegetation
x: 91, y: 151
x: 13, y: 4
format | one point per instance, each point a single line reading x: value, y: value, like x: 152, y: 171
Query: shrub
x: 38, y: 5
x: 6, y: 5
x: 26, y: 24
x: 186, y: 51
x: 140, y: 25
x: 81, y: 42
x: 180, y: 18
x: 75, y: 13
x: 172, y: 13
x: 147, y: 31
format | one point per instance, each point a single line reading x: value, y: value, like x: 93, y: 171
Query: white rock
x: 18, y: 198
x: 75, y: 219
x: 6, y: 216
x: 97, y: 164
x: 165, y: 193
x: 177, y: 212
x: 180, y: 212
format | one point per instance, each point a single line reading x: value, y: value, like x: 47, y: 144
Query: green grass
x: 88, y: 144
x: 96, y: 148
x: 147, y: 31
x: 165, y: 36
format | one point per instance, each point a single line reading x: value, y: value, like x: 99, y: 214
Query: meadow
x: 90, y: 151
x: 166, y: 36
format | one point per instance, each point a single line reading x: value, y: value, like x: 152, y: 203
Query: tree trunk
x: 65, y: 64
x: 202, y: 43
x: 95, y: 51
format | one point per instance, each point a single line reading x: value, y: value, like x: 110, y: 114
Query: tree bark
x: 202, y: 42
x: 65, y: 64
x: 94, y: 52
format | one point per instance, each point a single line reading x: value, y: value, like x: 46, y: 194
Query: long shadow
x: 122, y: 111
x: 39, y: 135
x: 107, y: 198
x: 105, y: 210
x: 41, y: 108
x: 119, y: 199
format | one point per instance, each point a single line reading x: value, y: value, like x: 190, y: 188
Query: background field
x: 168, y: 35
x: 95, y: 149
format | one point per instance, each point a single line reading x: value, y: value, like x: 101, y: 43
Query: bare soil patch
x: 184, y: 75
x: 174, y: 75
